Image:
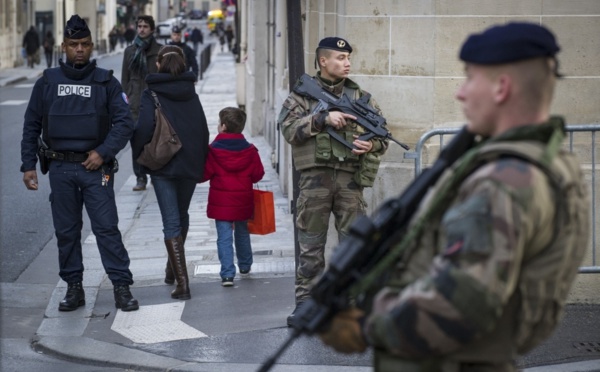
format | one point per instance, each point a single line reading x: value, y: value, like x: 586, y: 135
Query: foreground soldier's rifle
x: 368, y: 241
x: 365, y: 115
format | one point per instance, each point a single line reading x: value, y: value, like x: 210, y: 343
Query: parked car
x: 196, y: 14
x: 163, y: 29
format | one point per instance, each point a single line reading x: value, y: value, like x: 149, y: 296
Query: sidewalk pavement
x: 218, y: 329
x: 20, y: 73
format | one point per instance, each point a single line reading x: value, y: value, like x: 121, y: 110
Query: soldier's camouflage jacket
x: 488, y: 277
x: 312, y: 146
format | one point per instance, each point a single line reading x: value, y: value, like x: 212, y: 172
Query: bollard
x: 205, y: 59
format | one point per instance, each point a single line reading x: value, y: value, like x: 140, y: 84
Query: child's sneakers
x: 227, y: 282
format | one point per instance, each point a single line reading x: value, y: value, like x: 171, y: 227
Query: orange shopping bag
x: 263, y: 221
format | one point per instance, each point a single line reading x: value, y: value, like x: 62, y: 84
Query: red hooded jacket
x: 232, y: 166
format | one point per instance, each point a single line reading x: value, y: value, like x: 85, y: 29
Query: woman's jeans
x: 227, y: 231
x: 174, y: 196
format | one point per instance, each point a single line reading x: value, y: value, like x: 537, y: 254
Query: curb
x: 93, y: 352
x: 12, y: 80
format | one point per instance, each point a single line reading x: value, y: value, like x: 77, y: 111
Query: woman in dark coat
x: 49, y: 48
x: 31, y: 43
x: 174, y: 184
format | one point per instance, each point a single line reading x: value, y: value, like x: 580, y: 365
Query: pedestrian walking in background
x: 31, y: 44
x: 332, y: 177
x: 229, y: 36
x: 221, y: 34
x: 490, y: 259
x: 233, y: 166
x: 113, y: 37
x: 197, y: 38
x: 174, y: 184
x: 129, y: 34
x: 139, y: 60
x: 190, y: 56
x: 49, y: 48
x: 82, y: 150
x: 122, y: 31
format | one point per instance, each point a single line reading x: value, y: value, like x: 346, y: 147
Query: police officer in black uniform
x: 188, y: 52
x: 82, y: 114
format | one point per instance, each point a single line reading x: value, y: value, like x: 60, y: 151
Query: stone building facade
x: 406, y: 55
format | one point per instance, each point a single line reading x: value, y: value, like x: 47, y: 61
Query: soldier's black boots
x: 123, y: 298
x: 74, y: 298
x: 290, y: 318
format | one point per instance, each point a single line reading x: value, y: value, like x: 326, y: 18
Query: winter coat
x: 181, y: 105
x: 197, y: 36
x: 48, y: 43
x: 133, y: 82
x: 31, y: 41
x: 233, y: 165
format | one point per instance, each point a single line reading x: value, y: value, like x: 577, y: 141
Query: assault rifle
x: 365, y: 115
x: 368, y: 242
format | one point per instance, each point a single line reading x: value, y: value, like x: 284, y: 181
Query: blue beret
x: 76, y: 28
x: 175, y: 29
x: 335, y: 43
x: 511, y: 42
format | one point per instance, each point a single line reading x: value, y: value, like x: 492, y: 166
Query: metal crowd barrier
x: 205, y: 59
x: 417, y: 155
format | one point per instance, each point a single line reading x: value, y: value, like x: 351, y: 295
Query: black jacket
x: 44, y: 93
x: 181, y: 105
x: 190, y: 57
x: 31, y: 41
x: 132, y: 81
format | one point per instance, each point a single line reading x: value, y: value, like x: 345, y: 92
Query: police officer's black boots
x: 74, y: 298
x: 124, y: 299
x: 169, y: 275
x: 176, y: 253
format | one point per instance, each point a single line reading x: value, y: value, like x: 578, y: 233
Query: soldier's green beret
x: 335, y: 43
x: 512, y: 42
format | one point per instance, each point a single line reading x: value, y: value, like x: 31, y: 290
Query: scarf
x: 138, y: 61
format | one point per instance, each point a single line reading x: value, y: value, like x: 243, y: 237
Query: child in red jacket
x: 232, y: 166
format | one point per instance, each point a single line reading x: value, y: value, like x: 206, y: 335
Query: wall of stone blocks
x: 406, y: 55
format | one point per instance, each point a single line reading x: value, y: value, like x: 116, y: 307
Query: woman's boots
x: 169, y: 275
x: 176, y: 253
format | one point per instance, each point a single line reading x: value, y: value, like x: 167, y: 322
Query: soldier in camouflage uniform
x: 332, y: 177
x: 495, y: 246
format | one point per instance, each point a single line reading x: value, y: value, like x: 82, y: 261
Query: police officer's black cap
x: 335, y: 43
x: 512, y: 42
x: 176, y: 30
x: 76, y: 28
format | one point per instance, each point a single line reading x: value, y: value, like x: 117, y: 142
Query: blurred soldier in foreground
x: 496, y: 245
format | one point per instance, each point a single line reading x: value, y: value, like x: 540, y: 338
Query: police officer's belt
x: 66, y: 155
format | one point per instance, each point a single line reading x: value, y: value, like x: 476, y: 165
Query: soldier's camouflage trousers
x: 322, y: 191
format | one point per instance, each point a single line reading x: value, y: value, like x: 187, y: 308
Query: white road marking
x: 155, y: 323
x: 13, y: 102
x: 25, y: 85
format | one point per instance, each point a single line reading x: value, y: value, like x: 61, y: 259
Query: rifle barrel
x: 271, y: 361
x: 403, y: 145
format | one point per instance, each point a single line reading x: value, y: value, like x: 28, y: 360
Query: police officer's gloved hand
x: 345, y: 333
